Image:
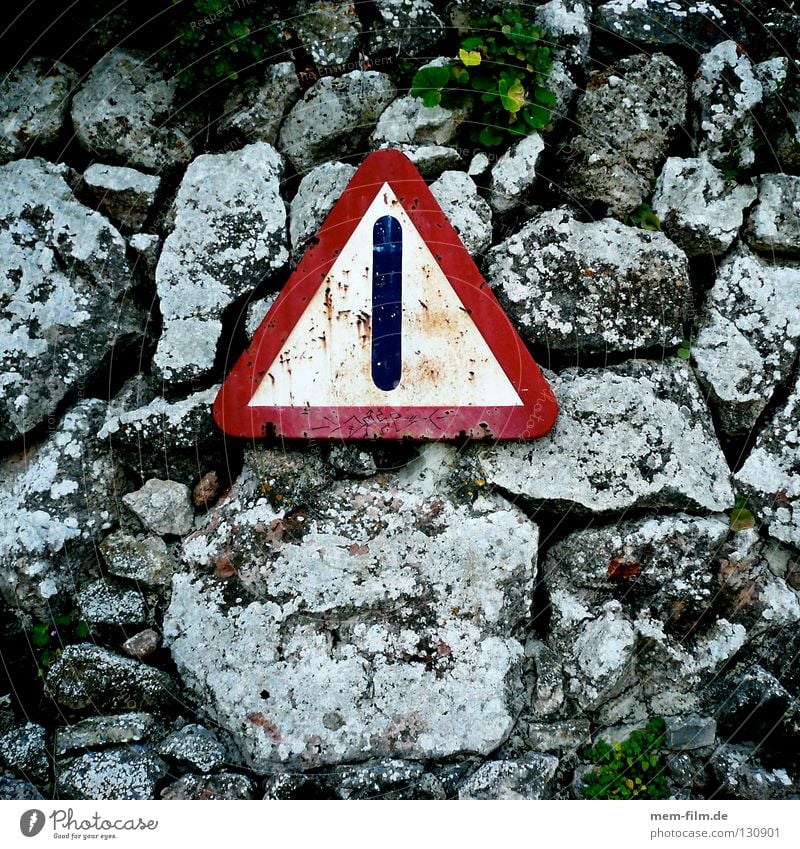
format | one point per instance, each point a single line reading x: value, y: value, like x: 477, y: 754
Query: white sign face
x: 427, y: 352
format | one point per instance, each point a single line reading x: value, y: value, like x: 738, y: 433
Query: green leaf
x: 428, y: 84
x: 40, y: 635
x: 474, y: 42
x: 512, y: 95
x: 489, y: 137
x: 537, y: 117
x: 82, y: 630
x: 545, y: 97
x: 742, y: 519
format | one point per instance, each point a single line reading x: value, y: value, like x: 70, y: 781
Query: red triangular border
x: 535, y: 418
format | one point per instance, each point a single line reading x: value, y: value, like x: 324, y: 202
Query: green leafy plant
x: 49, y: 638
x: 216, y: 41
x: 645, y: 218
x: 632, y: 769
x: 685, y: 350
x: 741, y: 517
x: 506, y: 65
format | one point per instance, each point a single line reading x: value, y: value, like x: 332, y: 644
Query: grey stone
x: 124, y: 194
x: 104, y: 602
x: 770, y: 479
x: 699, y: 209
x: 254, y: 110
x: 55, y: 502
x: 352, y: 460
x: 774, y: 223
x: 101, y: 731
x: 408, y: 121
x: 328, y: 30
x: 64, y: 279
x: 34, y: 101
x: 430, y: 159
x: 690, y: 732
x: 664, y: 23
x: 626, y: 117
x: 376, y: 622
x: 525, y: 778
x: 88, y: 676
x: 147, y: 247
x: 384, y: 779
x: 125, y: 111
x: 195, y: 746
x: 257, y: 312
x: 161, y: 437
x: 465, y: 209
x: 565, y: 735
x: 514, y: 173
x: 548, y: 692
x: 569, y: 24
x: 144, y: 560
x: 405, y: 27
x: 16, y: 789
x: 335, y: 117
x: 591, y: 287
x: 479, y: 165
x: 748, y: 337
x: 725, y: 92
x: 659, y: 447
x: 163, y: 507
x: 317, y: 193
x: 230, y: 232
x: 131, y: 772
x: 741, y: 775
x: 748, y: 702
x: 142, y: 645
x: 225, y: 785
x: 23, y: 750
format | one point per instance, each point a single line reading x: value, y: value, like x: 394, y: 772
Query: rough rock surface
x: 515, y: 173
x: 125, y: 111
x: 317, y: 193
x: 63, y: 285
x: 230, y: 232
x: 55, y: 502
x: 430, y: 159
x: 408, y: 121
x: 255, y: 111
x: 145, y: 560
x: 741, y: 775
x: 591, y: 287
x: 97, y: 732
x: 130, y: 772
x: 328, y: 30
x: 88, y: 677
x: 526, y: 778
x: 387, y: 619
x: 725, y: 93
x: 626, y: 118
x: 405, y: 27
x: 17, y: 789
x: 568, y: 22
x: 142, y: 645
x: 698, y: 208
x: 774, y: 223
x: 163, y: 507
x: 770, y: 477
x: 658, y: 444
x: 34, y: 101
x: 23, y: 750
x: 335, y: 117
x: 124, y: 194
x: 748, y: 339
x: 466, y: 210
x: 195, y: 746
x: 104, y: 602
x: 225, y: 785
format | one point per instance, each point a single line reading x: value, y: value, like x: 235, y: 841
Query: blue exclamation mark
x: 387, y: 302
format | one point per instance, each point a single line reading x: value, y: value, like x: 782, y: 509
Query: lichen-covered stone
x: 405, y: 27
x: 16, y: 789
x: 64, y: 279
x: 255, y: 109
x: 526, y: 778
x: 101, y: 731
x: 146, y: 247
x: 145, y: 560
x: 55, y: 501
x: 125, y: 111
x: 514, y: 173
x: 742, y: 776
x: 591, y: 287
x: 774, y: 223
x: 34, y: 101
x: 163, y: 507
x: 748, y: 338
x: 770, y: 477
x: 352, y: 460
x: 698, y: 208
x: 23, y: 751
x: 131, y: 772
x: 566, y: 735
x: 408, y: 121
x: 626, y: 117
x: 195, y: 746
x: 383, y: 779
x: 430, y: 159
x: 376, y: 622
x: 465, y: 209
x: 225, y: 785
x: 104, y: 602
x: 690, y: 732
x: 569, y: 24
x: 328, y: 30
x: 230, y: 232
x: 124, y: 194
x: 142, y: 644
x: 630, y: 435
x: 335, y: 117
x: 725, y: 92
x: 317, y: 193
x: 90, y: 677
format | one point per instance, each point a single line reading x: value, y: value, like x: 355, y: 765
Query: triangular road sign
x: 386, y: 329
